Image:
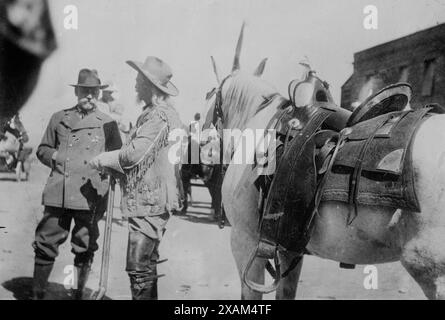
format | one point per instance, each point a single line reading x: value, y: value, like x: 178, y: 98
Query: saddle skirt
x: 387, y: 176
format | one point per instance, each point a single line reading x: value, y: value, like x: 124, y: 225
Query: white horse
x: 377, y: 235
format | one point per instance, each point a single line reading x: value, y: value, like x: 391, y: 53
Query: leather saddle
x: 306, y: 153
x: 305, y: 157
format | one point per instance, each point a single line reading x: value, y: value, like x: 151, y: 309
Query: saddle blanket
x: 387, y: 177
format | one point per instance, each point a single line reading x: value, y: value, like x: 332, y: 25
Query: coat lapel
x: 70, y: 118
x: 92, y: 120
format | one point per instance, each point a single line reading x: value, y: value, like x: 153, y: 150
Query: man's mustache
x: 87, y: 101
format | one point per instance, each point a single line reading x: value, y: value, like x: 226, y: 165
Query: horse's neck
x: 258, y: 117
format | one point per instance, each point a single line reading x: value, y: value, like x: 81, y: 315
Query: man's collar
x: 146, y: 107
x: 85, y: 112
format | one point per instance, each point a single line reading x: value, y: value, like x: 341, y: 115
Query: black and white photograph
x: 222, y: 150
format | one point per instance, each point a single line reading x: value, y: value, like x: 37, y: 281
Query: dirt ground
x: 199, y: 266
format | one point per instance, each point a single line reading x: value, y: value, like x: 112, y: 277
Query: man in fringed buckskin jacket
x: 150, y: 188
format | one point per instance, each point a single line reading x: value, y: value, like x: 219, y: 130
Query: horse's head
x: 216, y: 99
x: 233, y: 102
x: 17, y: 124
x: 15, y: 128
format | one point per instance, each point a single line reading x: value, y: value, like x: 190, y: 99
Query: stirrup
x: 275, y: 275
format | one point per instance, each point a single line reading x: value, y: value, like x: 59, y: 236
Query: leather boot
x: 145, y: 288
x: 40, y: 280
x: 83, y: 272
x: 142, y: 258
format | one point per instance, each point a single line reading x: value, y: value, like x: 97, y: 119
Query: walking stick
x: 100, y: 292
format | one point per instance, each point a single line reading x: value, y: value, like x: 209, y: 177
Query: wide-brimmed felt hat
x: 157, y: 72
x: 110, y: 86
x: 391, y: 98
x: 89, y: 79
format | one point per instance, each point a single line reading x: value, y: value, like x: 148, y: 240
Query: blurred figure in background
x: 110, y: 106
x: 26, y: 40
x: 12, y: 138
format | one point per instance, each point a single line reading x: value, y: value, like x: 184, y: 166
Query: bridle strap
x: 218, y: 113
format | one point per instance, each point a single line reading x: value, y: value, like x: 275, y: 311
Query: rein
x: 218, y: 122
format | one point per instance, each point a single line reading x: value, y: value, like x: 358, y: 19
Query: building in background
x: 418, y: 59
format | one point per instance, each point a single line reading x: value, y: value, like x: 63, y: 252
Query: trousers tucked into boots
x: 83, y: 271
x: 52, y: 231
x: 40, y: 280
x: 43, y: 271
x: 142, y: 258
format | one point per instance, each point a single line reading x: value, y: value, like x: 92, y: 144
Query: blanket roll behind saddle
x: 387, y: 176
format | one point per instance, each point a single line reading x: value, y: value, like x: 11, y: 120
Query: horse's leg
x: 287, y: 289
x: 241, y: 244
x: 423, y: 254
x: 426, y: 266
x: 214, y: 185
x: 186, y: 176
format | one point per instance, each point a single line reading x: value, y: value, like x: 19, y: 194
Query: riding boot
x: 144, y: 287
x: 83, y: 272
x: 142, y: 258
x: 40, y: 280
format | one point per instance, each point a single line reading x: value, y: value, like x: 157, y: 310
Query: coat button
x: 66, y: 175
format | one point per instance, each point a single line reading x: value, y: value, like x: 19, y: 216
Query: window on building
x: 428, y: 77
x: 403, y: 74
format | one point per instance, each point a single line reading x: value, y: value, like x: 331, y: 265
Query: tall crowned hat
x: 157, y: 72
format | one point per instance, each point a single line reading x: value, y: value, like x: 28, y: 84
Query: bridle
x: 218, y: 112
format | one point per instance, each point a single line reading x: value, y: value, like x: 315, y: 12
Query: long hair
x: 163, y: 101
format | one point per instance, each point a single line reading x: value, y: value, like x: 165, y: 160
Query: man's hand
x: 97, y: 162
x: 106, y: 160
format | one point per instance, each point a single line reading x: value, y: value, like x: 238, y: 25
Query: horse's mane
x: 244, y: 97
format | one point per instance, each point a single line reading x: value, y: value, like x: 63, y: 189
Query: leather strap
x: 355, y: 177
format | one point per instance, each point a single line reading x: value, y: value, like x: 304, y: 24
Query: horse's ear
x: 239, y: 45
x: 215, y: 70
x: 260, y: 69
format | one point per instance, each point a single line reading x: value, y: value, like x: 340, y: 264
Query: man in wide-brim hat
x: 151, y: 185
x: 74, y: 191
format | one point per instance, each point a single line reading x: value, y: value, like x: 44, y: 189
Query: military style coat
x: 72, y: 183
